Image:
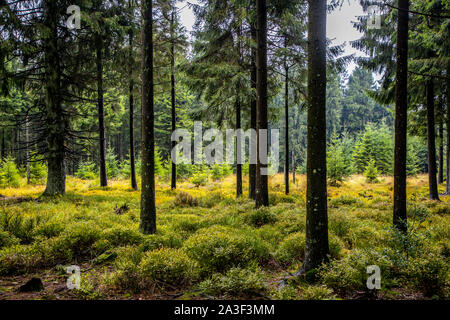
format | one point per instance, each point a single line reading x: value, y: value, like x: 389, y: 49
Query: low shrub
x: 167, y: 267
x: 291, y: 249
x: 236, y: 282
x: 86, y: 171
x: 184, y: 199
x: 9, y: 174
x: 317, y: 292
x: 7, y: 239
x: 220, y: 248
x: 430, y: 275
x: 260, y: 217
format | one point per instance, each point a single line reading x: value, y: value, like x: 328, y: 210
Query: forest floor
x: 210, y: 245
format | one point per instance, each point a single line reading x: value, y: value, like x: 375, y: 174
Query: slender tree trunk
x: 56, y: 124
x: 101, y: 112
x: 441, y: 151
x: 262, y: 186
x: 238, y: 149
x: 131, y: 100
x: 3, y: 144
x: 432, y: 170
x: 317, y: 249
x: 27, y: 149
x: 401, y: 109
x: 148, y: 206
x: 174, y: 110
x: 448, y: 130
x: 253, y: 118
x: 286, y: 121
x: 293, y: 167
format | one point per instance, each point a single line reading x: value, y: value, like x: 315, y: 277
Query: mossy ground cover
x: 211, y: 245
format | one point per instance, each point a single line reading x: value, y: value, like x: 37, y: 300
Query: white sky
x: 339, y: 26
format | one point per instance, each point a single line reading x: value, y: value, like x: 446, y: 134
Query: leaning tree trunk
x: 101, y: 112
x: 27, y: 149
x: 432, y: 170
x: 262, y: 185
x: 131, y: 99
x: 55, y: 122
x: 148, y: 207
x: 174, y: 110
x: 317, y: 248
x: 293, y: 166
x: 253, y: 119
x: 286, y: 130
x: 401, y: 109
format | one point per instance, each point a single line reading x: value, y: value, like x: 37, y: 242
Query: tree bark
x: 56, y: 124
x: 448, y: 131
x: 238, y: 149
x: 101, y: 111
x: 27, y: 149
x: 286, y: 121
x: 293, y: 166
x: 441, y: 150
x: 148, y: 207
x: 432, y: 170
x: 174, y: 111
x: 131, y: 100
x: 262, y: 187
x: 317, y: 248
x: 401, y: 109
x: 253, y: 116
x: 3, y: 144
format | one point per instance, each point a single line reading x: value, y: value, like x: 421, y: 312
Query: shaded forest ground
x: 210, y: 245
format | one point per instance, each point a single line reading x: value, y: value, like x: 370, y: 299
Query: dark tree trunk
x: 3, y: 145
x: 238, y: 149
x: 286, y: 121
x: 101, y: 112
x: 401, y: 109
x: 27, y: 149
x: 441, y: 151
x: 148, y: 207
x: 131, y: 99
x: 431, y: 134
x: 253, y: 118
x: 56, y: 124
x: 293, y: 167
x: 317, y: 248
x: 262, y: 187
x: 174, y: 110
x: 448, y: 131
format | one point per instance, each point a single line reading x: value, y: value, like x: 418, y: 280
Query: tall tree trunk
x: 286, y: 121
x: 148, y: 207
x: 431, y: 133
x: 448, y: 130
x: 131, y: 100
x: 401, y: 111
x: 262, y: 186
x: 101, y: 112
x: 253, y: 117
x: 174, y: 110
x: 238, y: 149
x: 56, y: 124
x: 441, y: 150
x: 317, y: 248
x: 27, y: 149
x: 3, y: 144
x: 293, y: 166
